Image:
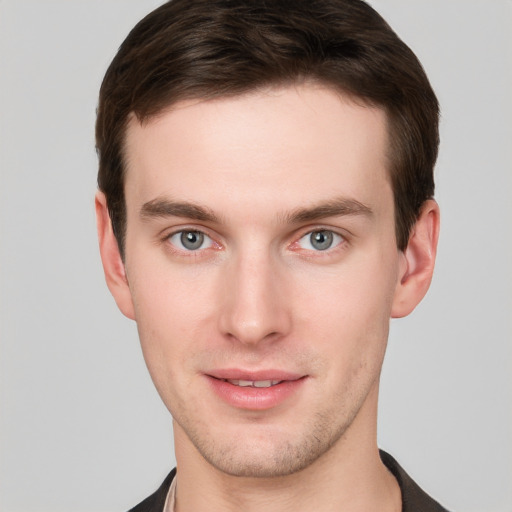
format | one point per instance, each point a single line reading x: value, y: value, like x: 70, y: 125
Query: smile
x: 255, y: 390
x: 253, y: 383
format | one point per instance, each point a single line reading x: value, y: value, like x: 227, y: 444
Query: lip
x: 254, y: 398
x: 239, y: 374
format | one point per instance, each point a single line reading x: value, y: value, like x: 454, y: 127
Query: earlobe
x: 418, y: 259
x: 113, y: 265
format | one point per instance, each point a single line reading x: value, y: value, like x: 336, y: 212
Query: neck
x: 349, y: 476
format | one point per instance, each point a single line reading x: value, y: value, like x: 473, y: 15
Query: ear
x: 113, y: 265
x: 417, y: 264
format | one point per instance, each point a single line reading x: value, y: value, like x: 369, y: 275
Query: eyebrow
x: 334, y: 208
x: 162, y: 208
x: 166, y: 208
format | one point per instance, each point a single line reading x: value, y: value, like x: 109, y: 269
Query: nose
x: 255, y: 306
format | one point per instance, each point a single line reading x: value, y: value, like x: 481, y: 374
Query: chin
x: 268, y: 455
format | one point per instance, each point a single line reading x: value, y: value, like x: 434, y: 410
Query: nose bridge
x: 254, y: 309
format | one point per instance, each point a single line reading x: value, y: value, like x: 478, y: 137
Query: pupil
x: 192, y: 239
x: 321, y: 240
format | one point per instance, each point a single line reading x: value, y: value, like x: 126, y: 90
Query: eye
x: 321, y: 240
x: 190, y: 240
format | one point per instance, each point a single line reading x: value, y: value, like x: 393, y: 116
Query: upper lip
x: 253, y: 375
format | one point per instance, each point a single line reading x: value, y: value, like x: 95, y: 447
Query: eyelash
x: 202, y: 239
x: 334, y: 239
x: 184, y: 251
x: 338, y: 241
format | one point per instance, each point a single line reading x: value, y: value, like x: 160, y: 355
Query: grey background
x: 81, y: 428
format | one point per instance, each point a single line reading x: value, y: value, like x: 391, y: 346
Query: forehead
x: 286, y: 146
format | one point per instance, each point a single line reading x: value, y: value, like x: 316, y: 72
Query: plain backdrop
x: 81, y: 427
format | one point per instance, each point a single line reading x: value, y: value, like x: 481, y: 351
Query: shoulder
x: 156, y: 502
x: 414, y: 499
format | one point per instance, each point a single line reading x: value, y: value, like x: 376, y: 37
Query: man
x: 265, y: 207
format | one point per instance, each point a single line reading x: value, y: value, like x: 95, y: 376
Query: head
x: 204, y: 49
x: 267, y: 170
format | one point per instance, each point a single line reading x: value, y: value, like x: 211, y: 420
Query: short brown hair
x: 190, y: 49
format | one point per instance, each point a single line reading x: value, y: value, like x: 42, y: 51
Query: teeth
x: 253, y: 383
x: 264, y: 383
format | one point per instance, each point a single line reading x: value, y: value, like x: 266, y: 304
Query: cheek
x: 360, y: 292
x: 348, y: 311
x: 174, y: 311
x: 168, y: 294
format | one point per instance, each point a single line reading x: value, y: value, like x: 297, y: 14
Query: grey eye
x: 320, y: 240
x: 190, y: 240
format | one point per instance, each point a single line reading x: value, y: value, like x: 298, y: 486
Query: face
x: 262, y: 267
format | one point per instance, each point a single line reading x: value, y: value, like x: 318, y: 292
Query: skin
x: 256, y: 175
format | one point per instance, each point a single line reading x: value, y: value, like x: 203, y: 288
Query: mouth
x: 255, y: 390
x: 253, y: 383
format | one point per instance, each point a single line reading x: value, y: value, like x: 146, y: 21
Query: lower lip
x: 256, y: 399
